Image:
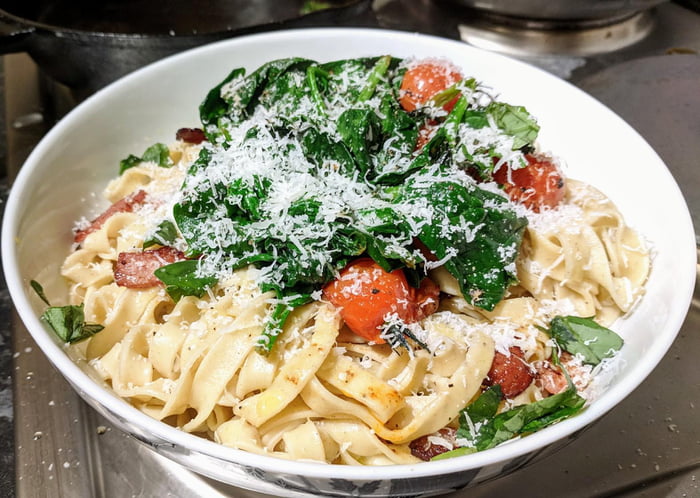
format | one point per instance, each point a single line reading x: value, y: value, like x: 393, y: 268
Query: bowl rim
x: 93, y: 392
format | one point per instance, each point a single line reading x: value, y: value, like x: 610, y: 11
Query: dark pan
x: 87, y: 44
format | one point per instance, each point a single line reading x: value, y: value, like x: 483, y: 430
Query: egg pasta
x: 315, y: 388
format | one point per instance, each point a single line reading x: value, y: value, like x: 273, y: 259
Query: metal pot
x: 563, y: 11
x: 86, y: 44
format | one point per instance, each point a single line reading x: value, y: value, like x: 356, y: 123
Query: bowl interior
x: 63, y: 178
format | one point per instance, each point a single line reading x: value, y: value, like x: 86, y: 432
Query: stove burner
x: 518, y: 36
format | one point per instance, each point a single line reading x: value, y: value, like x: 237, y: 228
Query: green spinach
x: 339, y: 125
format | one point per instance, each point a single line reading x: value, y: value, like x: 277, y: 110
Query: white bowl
x: 57, y: 185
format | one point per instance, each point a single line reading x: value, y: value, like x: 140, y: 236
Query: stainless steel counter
x: 649, y: 445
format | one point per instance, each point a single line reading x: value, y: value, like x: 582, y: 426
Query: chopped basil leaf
x: 585, y: 337
x: 485, y: 406
x: 486, y: 433
x: 69, y: 323
x: 164, y: 235
x: 157, y: 153
x: 464, y: 450
x: 129, y: 162
x: 181, y: 279
x: 515, y: 121
x: 476, y: 119
x: 39, y: 290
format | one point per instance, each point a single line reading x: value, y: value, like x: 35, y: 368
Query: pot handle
x: 13, y: 34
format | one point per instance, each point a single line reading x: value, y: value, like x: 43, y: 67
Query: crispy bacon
x: 191, y: 135
x: 125, y: 205
x: 135, y: 269
x: 551, y: 379
x: 511, y: 372
x: 427, y: 447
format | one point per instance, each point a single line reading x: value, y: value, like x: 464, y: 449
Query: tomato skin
x: 511, y: 372
x: 539, y: 185
x: 425, y: 134
x: 423, y: 81
x: 366, y: 294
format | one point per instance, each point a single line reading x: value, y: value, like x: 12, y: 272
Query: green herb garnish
x: 182, y: 279
x: 165, y: 234
x: 337, y: 127
x: 157, y: 153
x: 68, y: 322
x: 515, y: 121
x: 485, y: 430
x: 585, y: 337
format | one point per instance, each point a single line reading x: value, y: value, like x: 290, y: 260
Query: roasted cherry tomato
x: 425, y: 133
x: 510, y: 371
x: 538, y: 185
x: 426, y: 298
x: 424, y: 80
x: 366, y: 294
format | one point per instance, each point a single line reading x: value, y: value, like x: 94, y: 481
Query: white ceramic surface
x: 62, y: 179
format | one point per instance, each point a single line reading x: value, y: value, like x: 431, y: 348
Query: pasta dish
x: 365, y: 261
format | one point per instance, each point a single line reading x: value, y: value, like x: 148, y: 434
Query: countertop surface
x: 7, y: 452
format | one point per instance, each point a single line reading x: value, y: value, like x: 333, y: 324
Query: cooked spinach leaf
x: 165, y: 234
x: 481, y: 255
x: 276, y: 319
x: 338, y: 129
x: 215, y: 105
x: 182, y: 279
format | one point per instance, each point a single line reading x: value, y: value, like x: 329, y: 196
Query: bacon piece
x: 191, y: 135
x: 427, y: 447
x: 551, y: 379
x: 511, y: 372
x: 135, y: 269
x: 125, y: 205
